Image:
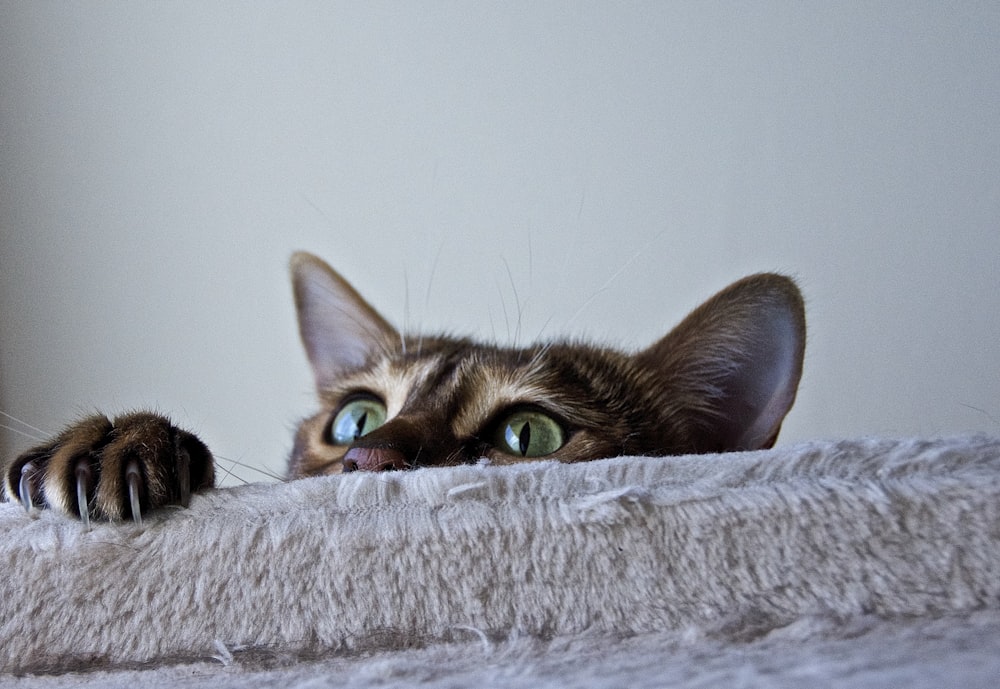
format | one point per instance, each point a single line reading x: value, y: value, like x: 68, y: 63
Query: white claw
x: 24, y: 486
x: 133, y: 478
x: 82, y: 485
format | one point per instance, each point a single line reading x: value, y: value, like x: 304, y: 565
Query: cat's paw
x: 101, y: 469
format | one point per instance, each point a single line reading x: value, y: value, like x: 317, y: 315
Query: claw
x: 24, y: 486
x: 83, y: 476
x: 133, y: 478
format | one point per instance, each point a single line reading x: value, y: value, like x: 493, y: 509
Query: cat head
x: 721, y: 380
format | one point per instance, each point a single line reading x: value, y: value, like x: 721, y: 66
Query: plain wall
x: 508, y: 170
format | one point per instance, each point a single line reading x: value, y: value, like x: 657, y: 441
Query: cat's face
x: 721, y: 380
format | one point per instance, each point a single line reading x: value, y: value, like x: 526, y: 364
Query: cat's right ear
x: 339, y: 329
x: 729, y: 372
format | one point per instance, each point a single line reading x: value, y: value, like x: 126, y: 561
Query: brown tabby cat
x: 721, y: 380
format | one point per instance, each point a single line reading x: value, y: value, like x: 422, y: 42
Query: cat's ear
x: 731, y: 369
x: 339, y: 329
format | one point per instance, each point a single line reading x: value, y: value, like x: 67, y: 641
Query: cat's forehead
x: 467, y: 384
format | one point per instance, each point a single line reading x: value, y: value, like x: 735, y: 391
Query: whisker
x: 531, y: 269
x: 43, y: 435
x: 427, y: 296
x: 226, y: 474
x: 493, y: 326
x: 617, y: 274
x: 430, y: 279
x: 503, y: 305
x: 545, y: 325
x: 30, y: 436
x: 517, y: 300
x: 981, y: 411
x: 406, y: 309
x: 322, y: 213
x: 251, y: 467
x: 540, y: 353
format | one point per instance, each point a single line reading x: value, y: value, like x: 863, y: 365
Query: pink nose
x: 374, y: 459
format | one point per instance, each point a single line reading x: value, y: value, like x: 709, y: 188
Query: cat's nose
x: 374, y: 459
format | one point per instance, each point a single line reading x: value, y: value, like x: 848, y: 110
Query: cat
x: 722, y: 380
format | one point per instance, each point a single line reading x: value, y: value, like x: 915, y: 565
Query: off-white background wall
x: 507, y: 170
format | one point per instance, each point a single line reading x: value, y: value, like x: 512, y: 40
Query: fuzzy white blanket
x: 867, y: 562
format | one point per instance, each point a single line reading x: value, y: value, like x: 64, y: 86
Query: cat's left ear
x: 730, y: 371
x: 339, y: 329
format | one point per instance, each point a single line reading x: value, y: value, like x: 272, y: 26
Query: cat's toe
x: 99, y: 469
x: 149, y: 463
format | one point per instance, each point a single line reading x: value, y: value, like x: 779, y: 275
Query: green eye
x: 356, y: 418
x: 529, y: 433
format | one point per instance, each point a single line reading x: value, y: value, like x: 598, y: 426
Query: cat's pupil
x: 356, y: 418
x: 524, y: 438
x: 360, y: 426
x: 529, y: 433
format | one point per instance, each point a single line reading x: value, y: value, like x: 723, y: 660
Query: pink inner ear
x: 765, y: 386
x: 339, y: 329
x: 332, y: 331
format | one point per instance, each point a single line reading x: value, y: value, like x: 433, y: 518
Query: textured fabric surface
x: 848, y: 542
x: 864, y: 653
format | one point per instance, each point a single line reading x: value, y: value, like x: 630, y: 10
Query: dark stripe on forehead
x: 439, y: 364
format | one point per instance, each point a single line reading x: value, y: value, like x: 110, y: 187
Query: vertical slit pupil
x: 360, y: 427
x: 524, y: 438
